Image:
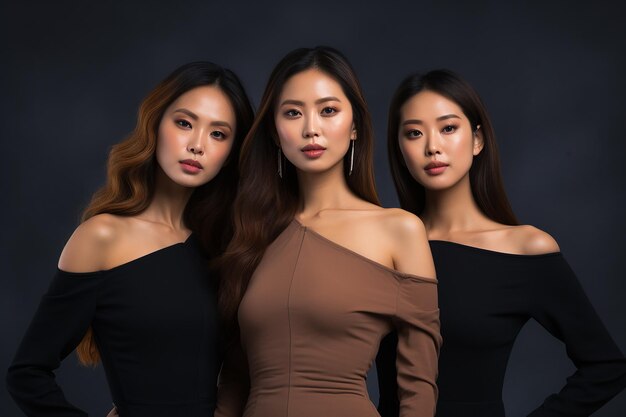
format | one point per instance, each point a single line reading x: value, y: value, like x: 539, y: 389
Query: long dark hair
x: 485, y: 177
x: 266, y: 203
x: 132, y: 165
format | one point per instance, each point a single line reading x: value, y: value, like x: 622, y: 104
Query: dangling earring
x: 351, y: 158
x: 280, y: 163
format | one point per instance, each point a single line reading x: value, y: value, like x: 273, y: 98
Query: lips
x: 435, y: 168
x: 313, y: 150
x: 190, y: 166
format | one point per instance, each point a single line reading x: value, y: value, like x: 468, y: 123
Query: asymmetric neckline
x: 311, y: 320
x: 358, y: 255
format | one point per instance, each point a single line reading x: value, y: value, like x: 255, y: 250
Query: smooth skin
x: 434, y: 128
x: 313, y: 109
x: 199, y: 126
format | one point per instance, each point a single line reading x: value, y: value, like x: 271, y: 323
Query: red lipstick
x: 313, y: 150
x: 435, y: 168
x: 190, y: 166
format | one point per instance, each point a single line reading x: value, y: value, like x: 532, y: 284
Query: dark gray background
x: 552, y: 77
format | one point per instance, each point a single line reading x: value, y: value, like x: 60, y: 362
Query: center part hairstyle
x: 267, y: 203
x: 132, y: 165
x: 485, y: 177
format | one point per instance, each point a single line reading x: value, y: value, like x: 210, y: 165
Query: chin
x: 191, y: 182
x: 435, y: 184
x: 312, y: 167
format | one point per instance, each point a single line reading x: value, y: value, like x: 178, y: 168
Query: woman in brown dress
x: 318, y: 273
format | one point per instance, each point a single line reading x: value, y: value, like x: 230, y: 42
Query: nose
x: 195, y: 145
x: 433, y: 147
x: 310, y: 128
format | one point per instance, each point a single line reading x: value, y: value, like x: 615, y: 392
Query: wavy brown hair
x: 485, y: 177
x: 265, y: 203
x: 132, y: 165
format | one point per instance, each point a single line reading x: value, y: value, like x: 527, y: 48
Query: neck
x: 452, y: 210
x: 168, y: 202
x: 322, y: 191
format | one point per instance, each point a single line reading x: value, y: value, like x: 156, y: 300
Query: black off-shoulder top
x: 155, y: 325
x: 485, y: 298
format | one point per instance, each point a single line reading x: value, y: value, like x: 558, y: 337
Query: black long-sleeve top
x: 155, y: 325
x: 485, y: 298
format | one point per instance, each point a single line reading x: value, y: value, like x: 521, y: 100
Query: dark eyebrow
x: 318, y: 101
x: 195, y: 117
x: 187, y: 112
x: 221, y: 123
x: 440, y: 118
x: 325, y: 99
x: 448, y: 116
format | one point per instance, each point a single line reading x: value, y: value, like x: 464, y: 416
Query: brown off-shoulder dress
x: 311, y: 322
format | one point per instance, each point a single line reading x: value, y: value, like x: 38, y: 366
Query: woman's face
x: 314, y: 121
x: 195, y: 136
x: 436, y: 140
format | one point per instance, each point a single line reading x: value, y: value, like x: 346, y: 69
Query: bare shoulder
x: 532, y: 241
x: 409, y: 242
x: 403, y: 224
x: 88, y: 247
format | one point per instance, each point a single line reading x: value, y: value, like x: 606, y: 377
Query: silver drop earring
x: 351, y: 158
x: 280, y: 163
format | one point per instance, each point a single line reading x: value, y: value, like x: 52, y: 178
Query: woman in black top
x: 494, y: 274
x: 132, y: 286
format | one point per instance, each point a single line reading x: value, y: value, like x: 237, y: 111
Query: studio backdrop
x: 551, y: 75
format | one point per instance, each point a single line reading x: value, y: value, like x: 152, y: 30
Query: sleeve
x: 560, y: 305
x: 60, y: 322
x: 233, y: 384
x: 419, y: 340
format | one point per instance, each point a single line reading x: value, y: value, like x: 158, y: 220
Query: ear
x: 479, y: 141
x: 353, y: 133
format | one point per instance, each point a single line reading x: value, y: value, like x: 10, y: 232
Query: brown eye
x: 183, y: 123
x: 292, y: 113
x: 328, y: 111
x: 413, y: 134
x: 449, y: 129
x: 218, y: 135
